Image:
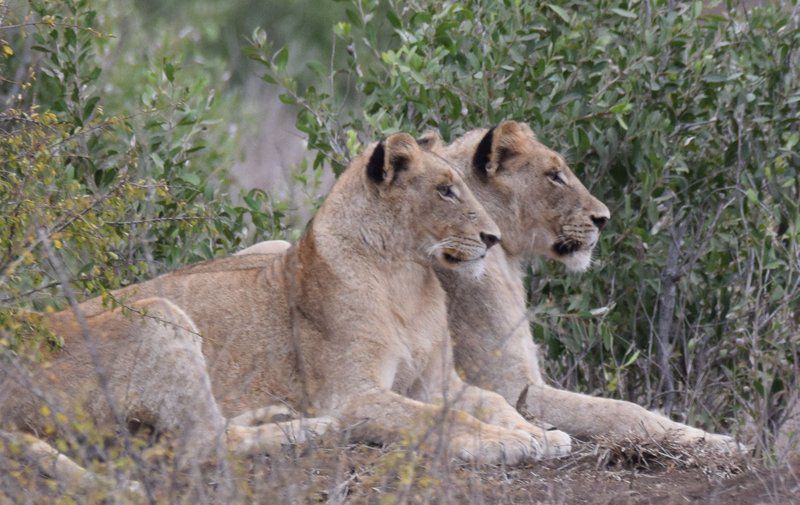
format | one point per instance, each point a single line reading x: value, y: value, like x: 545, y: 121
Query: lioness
x: 351, y: 322
x: 542, y: 209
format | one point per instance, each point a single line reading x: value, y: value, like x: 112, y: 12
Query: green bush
x: 119, y: 180
x: 685, y: 123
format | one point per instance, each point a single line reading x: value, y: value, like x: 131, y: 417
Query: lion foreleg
x: 55, y: 465
x: 492, y: 408
x: 590, y: 417
x: 383, y: 416
x: 270, y: 438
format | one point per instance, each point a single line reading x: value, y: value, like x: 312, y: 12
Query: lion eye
x: 446, y: 190
x: 556, y: 177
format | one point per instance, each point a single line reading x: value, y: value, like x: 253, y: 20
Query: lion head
x: 421, y: 195
x: 540, y: 205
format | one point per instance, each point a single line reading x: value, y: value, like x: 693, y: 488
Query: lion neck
x: 488, y: 323
x: 354, y: 254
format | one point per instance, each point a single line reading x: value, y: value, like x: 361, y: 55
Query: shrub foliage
x: 120, y: 192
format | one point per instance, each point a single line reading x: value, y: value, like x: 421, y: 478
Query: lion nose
x: 489, y: 239
x: 599, y: 221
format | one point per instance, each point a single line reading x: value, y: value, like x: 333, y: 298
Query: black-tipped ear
x: 480, y: 160
x: 500, y: 144
x: 391, y: 157
x: 375, y: 164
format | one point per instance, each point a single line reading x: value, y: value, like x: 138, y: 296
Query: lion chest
x: 418, y: 329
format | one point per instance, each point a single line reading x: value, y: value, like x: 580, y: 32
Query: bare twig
x: 666, y: 309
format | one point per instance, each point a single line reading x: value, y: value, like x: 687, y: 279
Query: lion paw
x: 554, y: 443
x: 510, y: 447
x: 557, y: 444
x: 722, y: 443
x: 699, y: 439
x: 272, y: 437
x: 315, y: 427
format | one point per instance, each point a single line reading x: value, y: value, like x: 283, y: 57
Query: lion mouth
x: 566, y: 247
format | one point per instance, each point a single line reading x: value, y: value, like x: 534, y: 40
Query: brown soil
x: 579, y: 480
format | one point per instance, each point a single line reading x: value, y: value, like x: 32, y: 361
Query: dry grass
x: 332, y: 471
x: 648, y: 454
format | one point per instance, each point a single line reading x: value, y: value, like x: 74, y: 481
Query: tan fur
x: 493, y: 345
x: 266, y: 247
x: 350, y: 323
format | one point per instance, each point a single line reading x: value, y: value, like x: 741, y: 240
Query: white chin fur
x: 579, y: 261
x: 474, y: 268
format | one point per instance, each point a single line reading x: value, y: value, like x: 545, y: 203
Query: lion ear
x: 498, y: 145
x: 430, y: 140
x: 397, y: 154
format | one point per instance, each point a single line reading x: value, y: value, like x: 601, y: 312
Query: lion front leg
x: 492, y: 408
x: 382, y: 416
x: 588, y: 417
x: 55, y: 465
x: 271, y: 438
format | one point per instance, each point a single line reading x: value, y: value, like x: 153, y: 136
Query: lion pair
x: 400, y: 279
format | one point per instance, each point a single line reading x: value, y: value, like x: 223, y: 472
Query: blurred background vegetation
x: 137, y: 137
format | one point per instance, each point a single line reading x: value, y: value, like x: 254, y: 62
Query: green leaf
x: 794, y: 138
x: 169, y: 71
x: 715, y: 78
x: 624, y: 13
x: 191, y: 178
x: 157, y: 161
x: 188, y: 119
x: 620, y: 107
x: 281, y: 58
x: 394, y: 19
x: 560, y: 11
x: 70, y: 36
x: 287, y: 99
x: 88, y: 108
x: 251, y: 202
x: 631, y: 360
